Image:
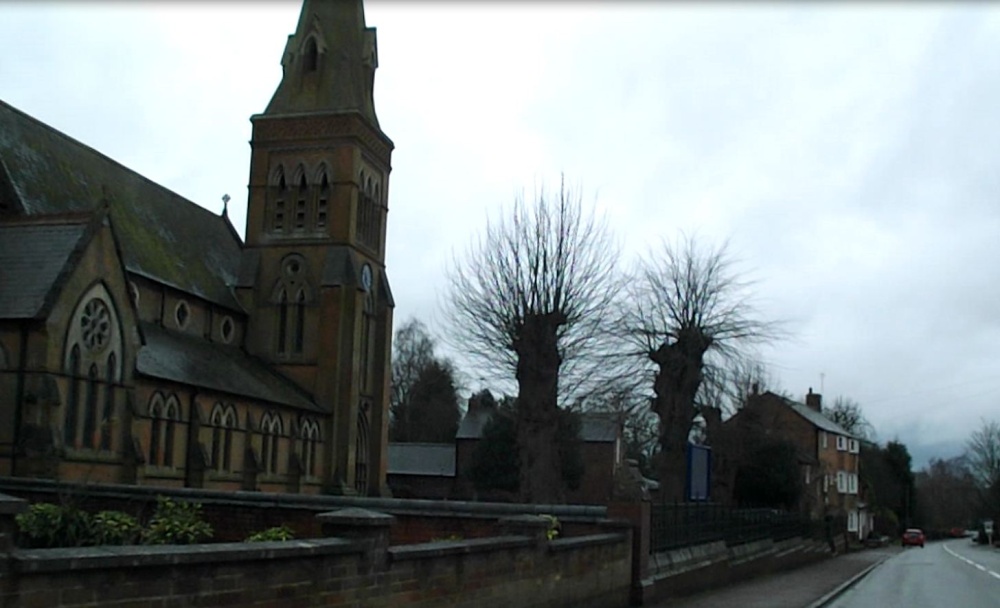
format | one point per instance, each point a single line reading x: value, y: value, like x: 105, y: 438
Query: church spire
x: 329, y: 63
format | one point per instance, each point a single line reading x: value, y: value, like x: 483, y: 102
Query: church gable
x: 164, y: 236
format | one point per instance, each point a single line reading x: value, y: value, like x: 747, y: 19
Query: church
x: 142, y: 341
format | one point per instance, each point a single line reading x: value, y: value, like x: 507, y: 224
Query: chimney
x: 814, y: 400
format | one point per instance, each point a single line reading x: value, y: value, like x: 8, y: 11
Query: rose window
x: 95, y: 325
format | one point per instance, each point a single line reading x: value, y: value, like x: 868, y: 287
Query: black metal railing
x: 675, y: 525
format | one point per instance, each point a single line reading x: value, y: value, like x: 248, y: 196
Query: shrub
x: 46, y: 526
x: 114, y: 528
x: 176, y: 523
x: 277, y: 533
x: 555, y: 528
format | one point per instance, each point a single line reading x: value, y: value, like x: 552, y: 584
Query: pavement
x: 812, y: 586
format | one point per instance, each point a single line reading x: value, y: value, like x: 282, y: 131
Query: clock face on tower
x: 366, y: 277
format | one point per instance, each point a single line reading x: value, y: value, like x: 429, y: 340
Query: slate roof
x: 163, y: 236
x: 815, y: 418
x: 594, y: 427
x: 430, y: 459
x: 33, y: 256
x: 170, y: 355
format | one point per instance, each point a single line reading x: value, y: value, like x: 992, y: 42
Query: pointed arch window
x: 367, y: 219
x: 90, y: 409
x: 300, y: 317
x: 282, y: 320
x: 271, y: 431
x: 72, y: 398
x: 155, y: 428
x: 367, y: 343
x: 300, y: 203
x: 292, y: 295
x: 310, y: 441
x: 322, y: 202
x: 310, y: 58
x: 361, y: 448
x: 107, y: 412
x: 279, y: 195
x: 171, y: 415
x: 93, y: 350
x: 223, y: 423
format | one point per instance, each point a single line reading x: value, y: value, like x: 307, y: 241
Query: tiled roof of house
x: 163, y: 236
x: 430, y: 459
x: 33, y: 256
x: 171, y: 355
x: 815, y: 418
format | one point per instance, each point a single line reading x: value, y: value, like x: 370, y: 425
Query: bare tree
x: 529, y: 299
x: 690, y: 313
x: 847, y: 413
x: 725, y: 390
x: 982, y: 453
x: 413, y: 351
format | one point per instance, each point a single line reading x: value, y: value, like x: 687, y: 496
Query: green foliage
x: 176, y: 523
x: 282, y: 532
x: 114, y: 528
x: 46, y: 526
x: 570, y: 459
x: 495, y: 463
x: 770, y: 478
x: 555, y: 528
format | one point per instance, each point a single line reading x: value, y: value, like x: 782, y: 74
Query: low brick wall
x: 687, y: 570
x: 236, y: 515
x: 356, y: 568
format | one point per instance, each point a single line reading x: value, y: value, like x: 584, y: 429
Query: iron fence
x: 675, y: 525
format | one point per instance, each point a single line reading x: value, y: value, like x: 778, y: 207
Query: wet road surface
x: 953, y: 574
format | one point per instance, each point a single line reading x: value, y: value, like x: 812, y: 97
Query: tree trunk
x: 676, y: 385
x: 537, y: 410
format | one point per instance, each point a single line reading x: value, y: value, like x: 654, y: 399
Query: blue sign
x: 699, y: 472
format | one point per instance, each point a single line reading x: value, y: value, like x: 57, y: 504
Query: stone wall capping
x: 356, y: 516
x: 133, y: 556
x: 458, y: 547
x: 592, y: 540
x: 11, y: 505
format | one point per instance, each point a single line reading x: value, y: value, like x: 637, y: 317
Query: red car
x: 913, y: 536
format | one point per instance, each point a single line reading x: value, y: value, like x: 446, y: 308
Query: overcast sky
x: 848, y: 151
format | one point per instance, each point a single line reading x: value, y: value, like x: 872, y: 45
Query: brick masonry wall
x: 495, y: 572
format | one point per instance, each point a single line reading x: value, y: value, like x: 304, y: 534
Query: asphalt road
x: 953, y: 574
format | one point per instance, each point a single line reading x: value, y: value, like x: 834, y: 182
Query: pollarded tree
x: 689, y: 313
x: 529, y: 299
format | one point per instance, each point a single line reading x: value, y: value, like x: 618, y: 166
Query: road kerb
x: 829, y: 597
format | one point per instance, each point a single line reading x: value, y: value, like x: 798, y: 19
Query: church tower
x: 313, y: 273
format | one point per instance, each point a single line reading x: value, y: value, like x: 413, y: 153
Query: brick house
x: 829, y: 456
